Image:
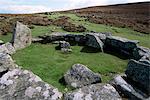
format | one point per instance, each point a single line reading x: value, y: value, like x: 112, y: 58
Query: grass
x: 6, y: 38
x: 51, y: 65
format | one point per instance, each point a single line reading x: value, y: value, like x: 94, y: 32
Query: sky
x: 34, y: 6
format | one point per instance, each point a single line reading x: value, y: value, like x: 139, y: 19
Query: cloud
x: 26, y: 8
x: 33, y: 6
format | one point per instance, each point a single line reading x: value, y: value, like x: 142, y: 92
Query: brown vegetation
x: 134, y: 15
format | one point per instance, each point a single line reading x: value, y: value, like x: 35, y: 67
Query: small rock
x: 79, y: 76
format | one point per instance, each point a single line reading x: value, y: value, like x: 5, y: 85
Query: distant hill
x: 132, y: 15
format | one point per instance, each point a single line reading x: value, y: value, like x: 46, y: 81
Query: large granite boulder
x: 126, y: 90
x: 20, y: 84
x: 7, y: 48
x: 94, y: 92
x: 79, y: 76
x: 6, y: 62
x: 123, y: 45
x: 141, y: 52
x: 94, y: 41
x: 140, y: 73
x: 21, y: 36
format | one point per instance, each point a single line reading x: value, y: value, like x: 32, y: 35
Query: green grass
x: 6, y: 38
x: 51, y: 65
x: 41, y: 30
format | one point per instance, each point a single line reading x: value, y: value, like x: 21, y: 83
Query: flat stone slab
x: 20, y: 84
x: 79, y: 76
x: 94, y: 92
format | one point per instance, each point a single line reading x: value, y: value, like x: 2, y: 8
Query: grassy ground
x: 51, y: 65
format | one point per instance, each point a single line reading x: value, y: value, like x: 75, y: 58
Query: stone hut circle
x: 19, y: 84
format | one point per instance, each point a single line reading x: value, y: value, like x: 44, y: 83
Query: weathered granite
x: 20, y: 84
x: 6, y: 62
x: 79, y: 76
x: 123, y: 45
x: 140, y: 73
x: 141, y: 52
x: 126, y: 90
x: 94, y: 92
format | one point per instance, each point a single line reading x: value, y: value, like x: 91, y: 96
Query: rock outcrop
x: 6, y: 62
x: 94, y: 92
x: 20, y: 84
x: 139, y: 72
x: 21, y: 36
x: 123, y: 45
x: 79, y: 76
x: 126, y: 90
x: 94, y: 41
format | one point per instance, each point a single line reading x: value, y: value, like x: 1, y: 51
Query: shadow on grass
x: 87, y: 49
x: 116, y: 53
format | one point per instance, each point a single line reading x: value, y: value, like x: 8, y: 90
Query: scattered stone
x: 94, y: 92
x: 79, y: 76
x: 123, y: 45
x: 140, y: 73
x: 7, y: 48
x: 37, y: 40
x: 21, y: 36
x: 141, y: 52
x: 20, y: 84
x: 126, y: 90
x: 65, y: 46
x: 94, y: 41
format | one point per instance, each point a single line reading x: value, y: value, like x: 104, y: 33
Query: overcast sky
x: 33, y: 6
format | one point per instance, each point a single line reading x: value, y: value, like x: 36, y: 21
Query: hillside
x: 133, y: 15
